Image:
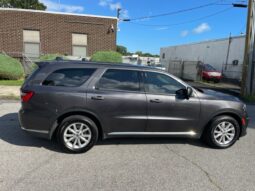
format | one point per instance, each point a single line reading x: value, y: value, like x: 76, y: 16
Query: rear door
x: 166, y: 112
x: 116, y: 97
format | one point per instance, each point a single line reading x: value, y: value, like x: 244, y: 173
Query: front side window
x: 125, y: 80
x: 157, y: 83
x: 69, y: 77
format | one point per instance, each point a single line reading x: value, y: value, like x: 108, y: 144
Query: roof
x: 206, y: 41
x: 102, y: 64
x: 56, y: 13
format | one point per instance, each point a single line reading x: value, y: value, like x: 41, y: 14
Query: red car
x: 209, y: 73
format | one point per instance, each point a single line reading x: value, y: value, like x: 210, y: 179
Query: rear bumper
x: 25, y: 125
x: 213, y: 77
x: 36, y: 133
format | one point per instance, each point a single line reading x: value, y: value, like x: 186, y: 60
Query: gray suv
x: 80, y: 102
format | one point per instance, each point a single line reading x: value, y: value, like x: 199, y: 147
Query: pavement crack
x: 197, y: 166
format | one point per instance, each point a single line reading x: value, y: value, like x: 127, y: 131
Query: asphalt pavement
x: 29, y: 163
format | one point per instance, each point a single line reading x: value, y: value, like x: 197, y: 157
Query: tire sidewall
x: 78, y: 119
x: 218, y: 121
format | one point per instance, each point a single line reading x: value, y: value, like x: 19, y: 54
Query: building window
x: 163, y: 56
x: 79, y: 45
x: 31, y: 41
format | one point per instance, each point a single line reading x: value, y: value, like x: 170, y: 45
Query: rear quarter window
x: 70, y: 77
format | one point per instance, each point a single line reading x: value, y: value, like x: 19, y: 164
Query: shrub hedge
x: 107, y: 56
x: 49, y: 57
x: 10, y: 68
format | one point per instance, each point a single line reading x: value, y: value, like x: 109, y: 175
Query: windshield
x: 209, y: 67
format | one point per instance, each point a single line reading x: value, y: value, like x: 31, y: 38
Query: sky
x: 149, y: 34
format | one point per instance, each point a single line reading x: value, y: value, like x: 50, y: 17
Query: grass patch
x: 11, y: 82
x: 249, y: 99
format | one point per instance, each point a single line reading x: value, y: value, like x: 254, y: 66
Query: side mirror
x: 184, y: 93
x: 189, y: 92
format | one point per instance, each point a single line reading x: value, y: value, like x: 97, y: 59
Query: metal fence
x: 232, y: 72
x: 188, y: 70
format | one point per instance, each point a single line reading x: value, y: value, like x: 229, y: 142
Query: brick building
x: 32, y: 32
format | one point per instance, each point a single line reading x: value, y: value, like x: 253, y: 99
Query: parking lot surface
x: 29, y: 163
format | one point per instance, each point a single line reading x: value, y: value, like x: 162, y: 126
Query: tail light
x: 26, y: 96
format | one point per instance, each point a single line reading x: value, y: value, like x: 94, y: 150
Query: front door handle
x: 97, y: 97
x: 155, y: 101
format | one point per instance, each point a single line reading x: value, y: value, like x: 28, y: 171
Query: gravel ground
x: 28, y: 163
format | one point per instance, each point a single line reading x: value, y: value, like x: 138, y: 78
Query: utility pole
x: 59, y: 8
x: 246, y: 85
x: 118, y: 13
x: 228, y: 50
x: 118, y: 17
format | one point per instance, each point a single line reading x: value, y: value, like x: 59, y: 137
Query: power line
x: 185, y: 22
x: 174, y: 12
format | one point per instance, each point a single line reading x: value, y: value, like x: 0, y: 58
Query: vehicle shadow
x: 11, y: 133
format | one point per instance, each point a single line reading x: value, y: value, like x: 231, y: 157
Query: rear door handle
x: 97, y: 97
x: 155, y: 101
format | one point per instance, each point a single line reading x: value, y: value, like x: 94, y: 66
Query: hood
x: 215, y: 95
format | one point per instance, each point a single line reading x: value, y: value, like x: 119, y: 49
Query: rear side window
x: 125, y: 80
x: 69, y: 77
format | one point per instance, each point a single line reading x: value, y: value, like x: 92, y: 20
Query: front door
x: 166, y: 112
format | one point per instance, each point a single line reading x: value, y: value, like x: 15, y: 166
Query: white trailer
x: 226, y: 55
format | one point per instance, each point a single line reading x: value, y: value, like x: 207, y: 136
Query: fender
x: 75, y: 111
x: 228, y: 111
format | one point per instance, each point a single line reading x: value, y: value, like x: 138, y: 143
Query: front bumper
x: 244, y: 126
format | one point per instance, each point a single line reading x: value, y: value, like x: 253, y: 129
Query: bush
x: 50, y: 57
x: 10, y: 68
x: 106, y: 56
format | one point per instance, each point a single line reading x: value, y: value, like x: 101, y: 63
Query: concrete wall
x: 210, y: 52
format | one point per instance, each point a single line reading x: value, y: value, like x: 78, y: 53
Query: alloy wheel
x: 224, y: 133
x: 77, y: 135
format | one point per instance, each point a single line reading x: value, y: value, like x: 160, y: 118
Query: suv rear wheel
x: 223, y: 132
x: 77, y: 134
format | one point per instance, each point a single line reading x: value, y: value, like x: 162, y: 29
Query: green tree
x: 122, y: 49
x: 23, y: 4
x: 139, y: 53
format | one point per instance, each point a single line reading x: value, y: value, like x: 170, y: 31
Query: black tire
x: 216, y: 81
x: 208, y: 135
x: 81, y: 120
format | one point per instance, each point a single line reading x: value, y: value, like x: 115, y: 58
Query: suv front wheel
x: 77, y: 134
x: 222, y: 132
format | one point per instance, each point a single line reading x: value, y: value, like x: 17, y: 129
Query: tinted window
x: 120, y: 80
x: 157, y: 83
x: 69, y: 77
